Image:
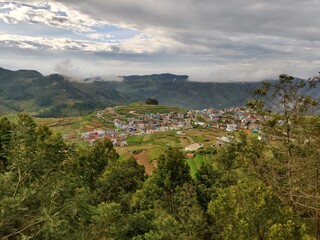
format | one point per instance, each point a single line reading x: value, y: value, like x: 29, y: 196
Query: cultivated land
x: 146, y: 131
x: 153, y: 145
x: 150, y: 145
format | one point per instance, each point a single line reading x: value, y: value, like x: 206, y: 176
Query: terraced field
x: 153, y: 145
x: 150, y: 145
x: 140, y: 108
x: 71, y: 125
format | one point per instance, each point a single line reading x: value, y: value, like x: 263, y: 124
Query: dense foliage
x: 151, y: 101
x: 249, y: 190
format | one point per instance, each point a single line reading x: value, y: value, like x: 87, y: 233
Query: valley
x: 146, y: 131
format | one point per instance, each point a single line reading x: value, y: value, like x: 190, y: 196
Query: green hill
x: 57, y: 96
x: 53, y: 95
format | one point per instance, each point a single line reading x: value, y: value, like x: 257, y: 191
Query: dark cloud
x: 240, y: 28
x: 59, y: 19
x: 285, y: 18
x: 207, y: 39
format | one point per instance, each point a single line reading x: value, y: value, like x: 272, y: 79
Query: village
x: 228, y: 120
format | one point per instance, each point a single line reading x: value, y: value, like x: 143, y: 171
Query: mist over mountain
x: 56, y: 95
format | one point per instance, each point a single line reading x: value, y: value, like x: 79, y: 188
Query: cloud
x: 111, y: 78
x: 137, y: 45
x: 66, y: 68
x: 100, y: 36
x: 285, y: 18
x: 53, y: 44
x: 51, y: 14
x: 210, y: 40
x: 241, y: 28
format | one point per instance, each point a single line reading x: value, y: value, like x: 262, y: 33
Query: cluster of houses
x: 229, y: 119
x: 118, y: 138
x: 152, y: 123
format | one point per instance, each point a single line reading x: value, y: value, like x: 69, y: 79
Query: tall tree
x: 5, y: 134
x: 172, y: 172
x: 121, y: 179
x: 41, y: 197
x: 190, y: 215
x: 292, y: 126
x: 251, y: 210
x: 92, y: 161
x: 207, y: 181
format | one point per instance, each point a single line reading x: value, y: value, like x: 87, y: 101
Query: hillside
x: 178, y: 91
x: 57, y: 96
x: 170, y: 170
x: 52, y: 95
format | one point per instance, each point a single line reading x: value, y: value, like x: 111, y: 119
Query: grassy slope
x: 141, y: 108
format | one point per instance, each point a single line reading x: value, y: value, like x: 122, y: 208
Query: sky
x: 209, y: 40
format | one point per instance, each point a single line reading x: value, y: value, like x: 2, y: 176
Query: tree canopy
x: 152, y: 101
x: 246, y: 189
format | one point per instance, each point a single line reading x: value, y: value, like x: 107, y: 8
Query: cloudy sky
x: 209, y: 40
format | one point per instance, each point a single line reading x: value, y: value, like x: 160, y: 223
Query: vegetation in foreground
x: 250, y: 190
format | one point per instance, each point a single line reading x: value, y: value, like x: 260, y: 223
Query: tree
x: 92, y: 162
x: 163, y: 195
x: 106, y: 222
x: 172, y: 172
x: 190, y: 215
x: 293, y: 165
x: 251, y: 210
x: 30, y: 186
x: 119, y: 180
x: 5, y: 135
x: 41, y: 197
x: 152, y: 101
x: 207, y: 181
x: 166, y: 227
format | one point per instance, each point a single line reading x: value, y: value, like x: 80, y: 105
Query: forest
x: 251, y: 188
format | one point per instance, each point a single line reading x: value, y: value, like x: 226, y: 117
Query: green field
x: 141, y: 108
x: 154, y: 144
x: 135, y: 140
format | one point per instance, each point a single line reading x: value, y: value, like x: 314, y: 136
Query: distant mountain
x: 176, y: 90
x: 55, y: 95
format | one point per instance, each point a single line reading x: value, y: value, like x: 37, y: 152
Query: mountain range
x: 56, y: 95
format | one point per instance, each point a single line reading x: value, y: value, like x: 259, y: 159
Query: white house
x: 193, y: 147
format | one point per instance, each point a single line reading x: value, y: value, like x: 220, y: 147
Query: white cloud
x: 143, y: 43
x: 67, y: 68
x: 53, y: 44
x: 137, y: 45
x: 51, y: 14
x: 100, y: 36
x: 208, y: 39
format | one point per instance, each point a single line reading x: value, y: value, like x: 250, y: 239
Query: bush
x: 152, y: 101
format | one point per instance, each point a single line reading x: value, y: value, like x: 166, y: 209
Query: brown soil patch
x: 142, y: 159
